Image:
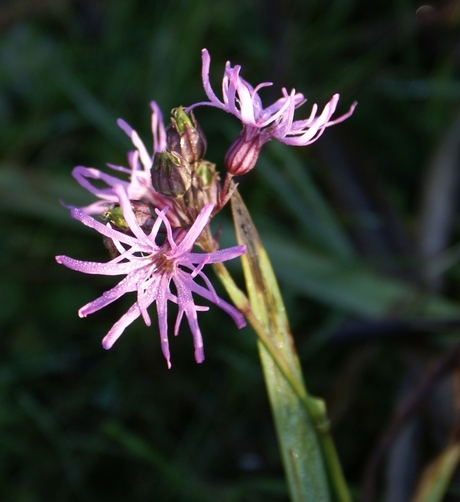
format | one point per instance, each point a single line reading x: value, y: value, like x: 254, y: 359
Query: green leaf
x: 351, y: 286
x: 299, y: 444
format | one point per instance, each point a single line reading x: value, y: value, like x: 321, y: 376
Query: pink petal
x: 117, y: 329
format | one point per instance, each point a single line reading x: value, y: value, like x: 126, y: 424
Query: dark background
x: 362, y: 227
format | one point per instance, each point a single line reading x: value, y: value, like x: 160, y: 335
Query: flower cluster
x: 150, y: 231
x: 152, y: 220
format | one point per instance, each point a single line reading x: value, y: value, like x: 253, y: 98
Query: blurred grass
x: 78, y: 423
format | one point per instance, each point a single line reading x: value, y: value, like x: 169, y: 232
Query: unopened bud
x: 185, y: 137
x: 206, y: 183
x: 171, y: 174
x: 243, y: 153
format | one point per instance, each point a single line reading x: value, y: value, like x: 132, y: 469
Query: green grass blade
x: 300, y: 448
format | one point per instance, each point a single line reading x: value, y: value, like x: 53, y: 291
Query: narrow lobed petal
x: 234, y: 313
x: 117, y: 329
x: 158, y: 128
x: 162, y: 311
x: 195, y: 230
x: 81, y: 174
x: 187, y: 305
x: 214, y: 257
x: 206, y: 63
x: 95, y: 268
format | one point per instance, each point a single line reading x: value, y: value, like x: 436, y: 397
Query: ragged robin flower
x: 263, y: 124
x: 151, y: 265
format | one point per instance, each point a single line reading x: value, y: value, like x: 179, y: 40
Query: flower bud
x: 185, y: 137
x: 171, y: 174
x: 243, y: 153
x: 206, y: 181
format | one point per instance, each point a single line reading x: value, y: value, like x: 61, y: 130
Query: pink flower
x: 262, y: 124
x: 139, y: 187
x: 150, y: 267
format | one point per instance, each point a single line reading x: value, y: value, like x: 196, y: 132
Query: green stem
x: 334, y: 467
x: 242, y: 303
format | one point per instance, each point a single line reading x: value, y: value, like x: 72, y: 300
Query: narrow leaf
x: 299, y: 445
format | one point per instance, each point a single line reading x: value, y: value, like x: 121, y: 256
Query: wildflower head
x: 262, y: 124
x: 150, y: 267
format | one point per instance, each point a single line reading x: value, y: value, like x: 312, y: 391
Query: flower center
x: 163, y: 263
